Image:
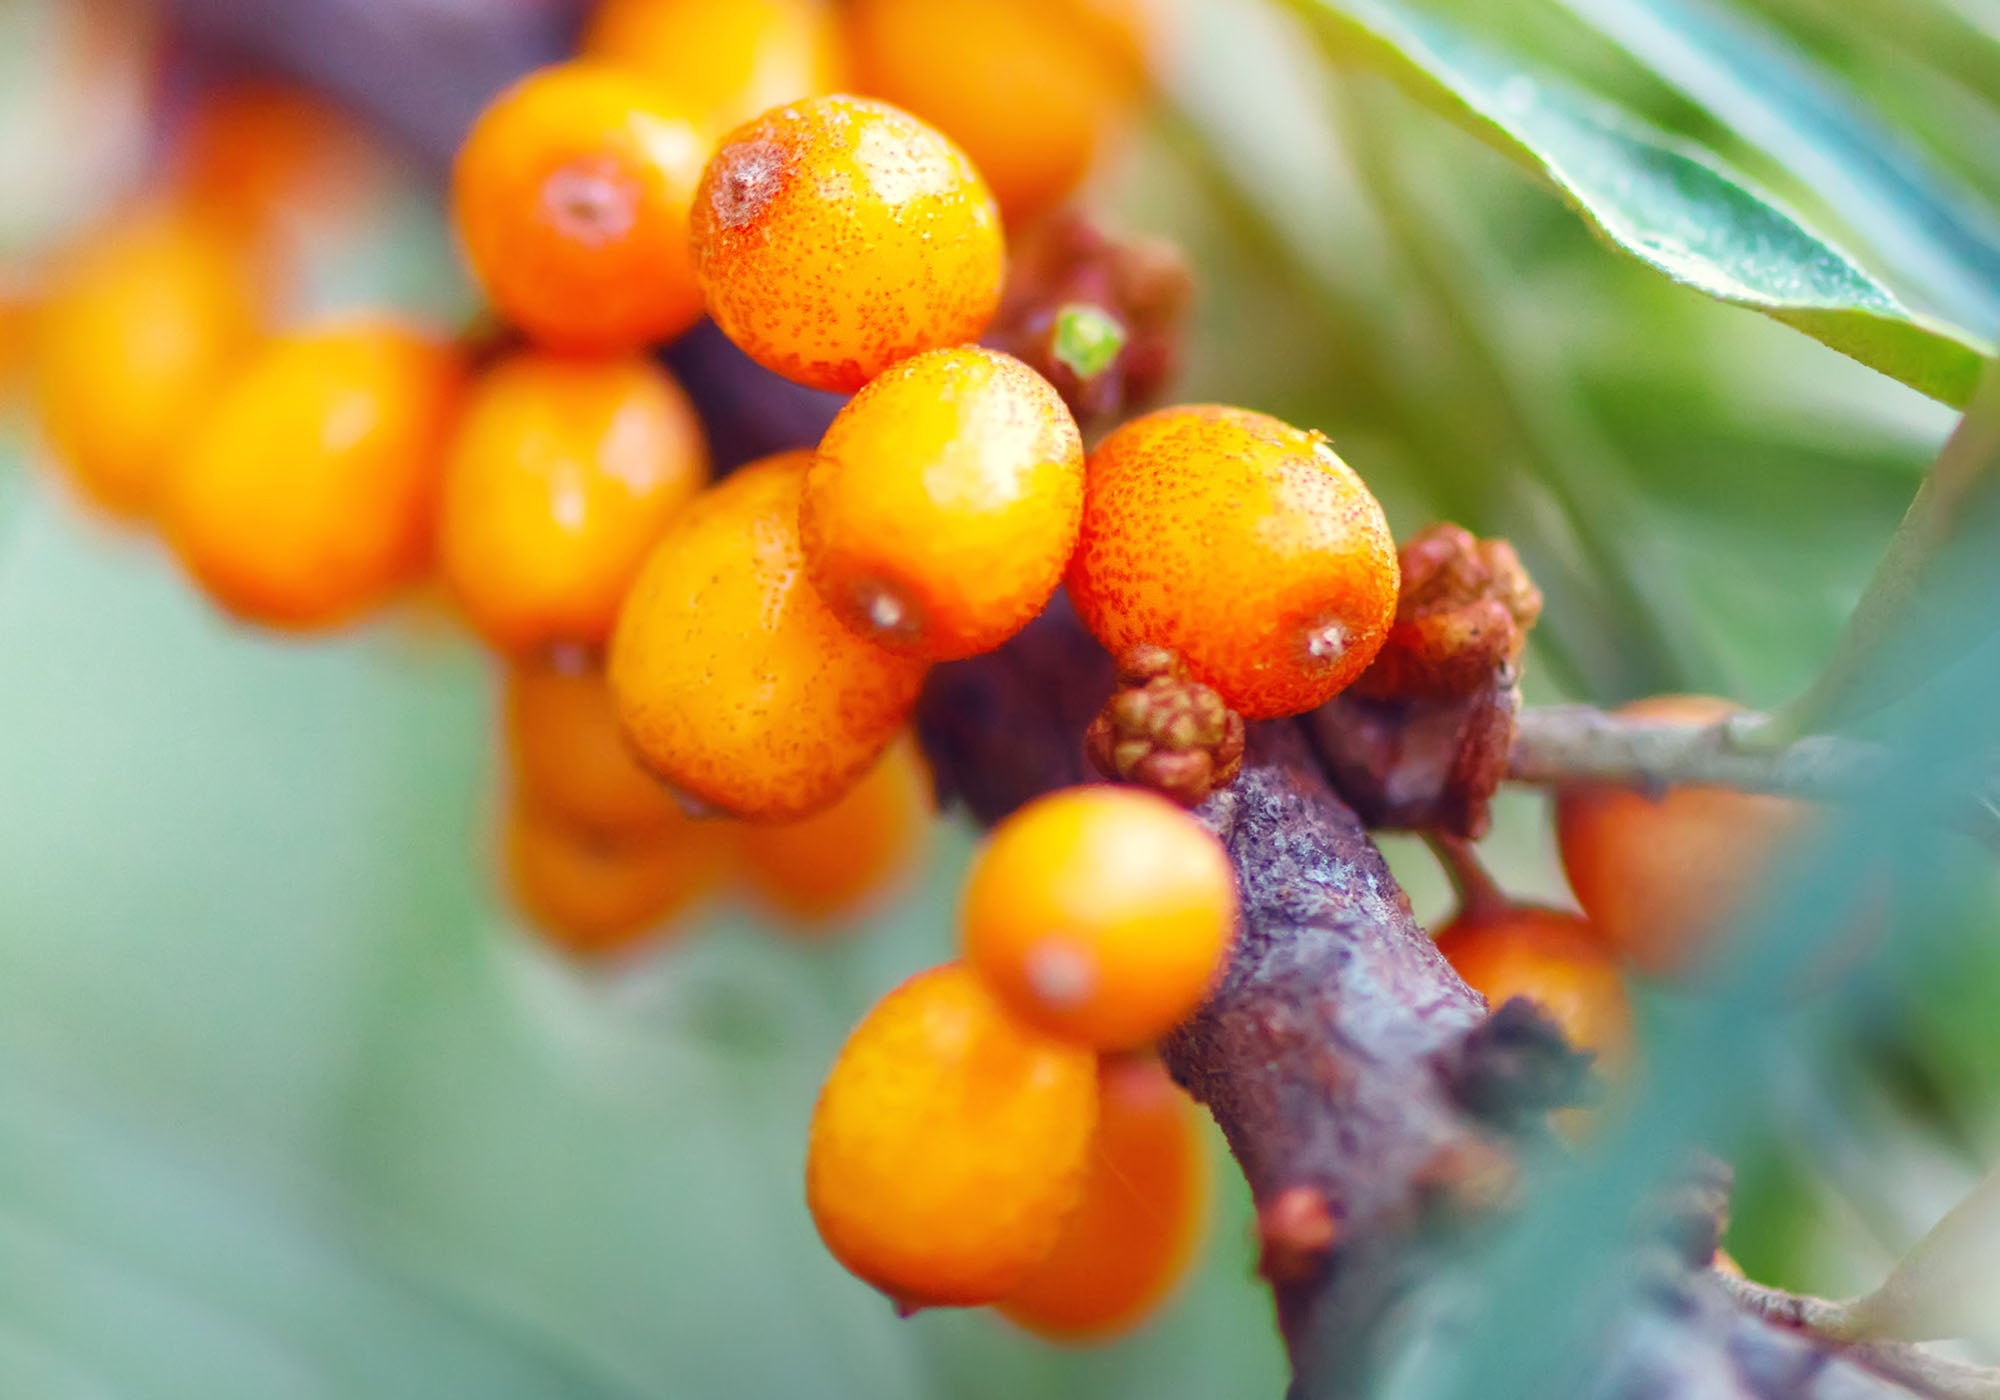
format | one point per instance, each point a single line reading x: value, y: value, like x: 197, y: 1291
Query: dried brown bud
x: 1295, y: 1233
x: 1464, y: 612
x: 1165, y: 731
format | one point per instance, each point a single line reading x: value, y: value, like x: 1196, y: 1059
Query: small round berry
x: 570, y: 757
x: 1144, y: 1210
x: 561, y: 476
x: 593, y: 894
x: 943, y: 502
x: 726, y: 60
x: 1243, y: 545
x: 836, y: 236
x: 1102, y: 914
x: 1553, y: 960
x: 1659, y: 876
x: 142, y: 326
x: 835, y: 865
x: 571, y: 196
x: 949, y: 1144
x: 735, y: 682
x: 1032, y: 89
x: 308, y: 496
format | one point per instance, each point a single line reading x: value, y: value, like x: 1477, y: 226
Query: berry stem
x: 1480, y: 898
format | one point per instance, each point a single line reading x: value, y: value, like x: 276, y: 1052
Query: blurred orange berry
x: 143, y: 323
x: 308, y: 495
x: 735, y: 682
x: 571, y: 197
x: 593, y: 894
x: 1553, y: 960
x: 836, y: 236
x: 942, y: 506
x: 723, y: 60
x: 1144, y: 1210
x: 570, y: 757
x: 949, y: 1144
x: 1658, y: 876
x: 1103, y: 914
x: 1242, y: 544
x: 18, y: 310
x: 561, y: 475
x: 830, y: 866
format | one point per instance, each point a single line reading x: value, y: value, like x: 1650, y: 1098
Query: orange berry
x: 1658, y: 877
x: 735, y: 682
x: 143, y: 324
x: 1242, y: 544
x: 1145, y: 1206
x: 830, y: 866
x: 571, y: 196
x: 18, y: 311
x: 1103, y: 914
x: 592, y: 894
x: 1032, y: 89
x: 1553, y: 960
x: 308, y: 495
x: 561, y: 476
x: 949, y: 1144
x: 726, y: 60
x: 571, y: 758
x: 942, y: 505
x: 836, y: 236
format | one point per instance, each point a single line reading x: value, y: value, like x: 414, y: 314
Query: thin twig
x: 1571, y: 743
x: 1834, y: 1320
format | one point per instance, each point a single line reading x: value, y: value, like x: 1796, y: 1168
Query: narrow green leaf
x: 1088, y: 339
x: 1671, y: 205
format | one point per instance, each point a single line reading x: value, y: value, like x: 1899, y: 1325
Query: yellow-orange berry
x: 1553, y: 960
x: 18, y: 311
x: 562, y: 473
x: 1242, y: 544
x: 1658, y: 876
x: 831, y: 866
x: 836, y: 236
x: 593, y: 894
x: 571, y: 196
x: 570, y: 757
x: 733, y: 680
x: 1032, y: 89
x: 1103, y: 914
x: 949, y: 1144
x: 143, y: 324
x: 1144, y: 1210
x: 725, y: 60
x: 308, y: 495
x: 942, y: 505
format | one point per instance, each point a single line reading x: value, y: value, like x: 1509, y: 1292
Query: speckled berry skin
x: 943, y: 503
x: 837, y: 235
x: 733, y: 680
x: 1242, y: 544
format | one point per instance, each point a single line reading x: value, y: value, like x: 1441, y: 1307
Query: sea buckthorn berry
x: 733, y: 680
x: 724, y: 60
x: 1553, y: 959
x: 1103, y: 914
x: 562, y: 473
x: 571, y: 758
x: 949, y: 1145
x: 1033, y: 90
x: 831, y: 866
x: 836, y: 236
x: 142, y: 326
x: 1144, y: 1210
x: 309, y: 494
x: 571, y: 196
x: 593, y: 894
x: 1659, y: 876
x: 942, y: 505
x: 1242, y: 544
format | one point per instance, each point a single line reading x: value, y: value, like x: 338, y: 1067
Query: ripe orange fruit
x: 830, y: 866
x: 143, y: 323
x: 949, y: 1144
x: 1658, y: 877
x: 1553, y: 959
x: 1145, y: 1206
x: 593, y: 894
x: 943, y: 502
x: 18, y: 310
x: 733, y: 680
x: 308, y: 495
x: 1242, y: 544
x: 836, y: 236
x: 571, y: 197
x: 561, y: 476
x: 1103, y: 914
x: 571, y: 758
x: 725, y: 60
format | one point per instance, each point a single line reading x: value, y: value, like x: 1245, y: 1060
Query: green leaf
x: 1088, y: 339
x: 1671, y: 205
